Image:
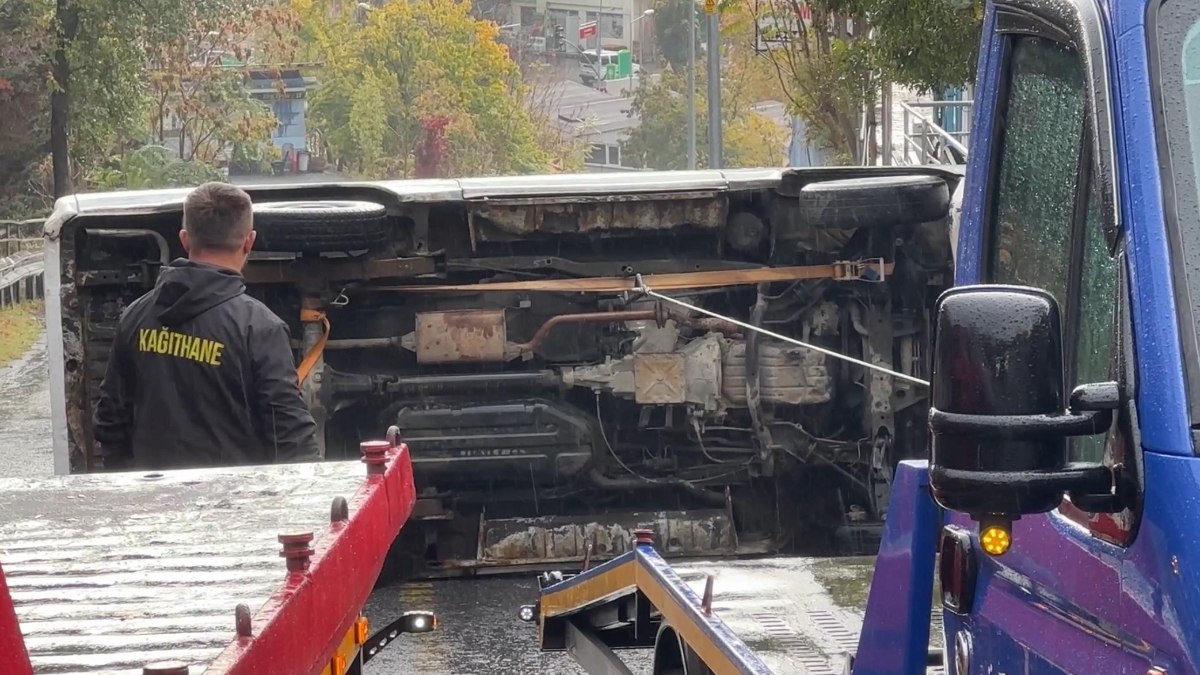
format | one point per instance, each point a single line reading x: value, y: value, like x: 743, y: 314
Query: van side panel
x: 55, y: 356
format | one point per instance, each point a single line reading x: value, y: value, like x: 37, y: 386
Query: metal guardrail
x: 22, y: 264
x: 923, y: 141
x: 21, y: 278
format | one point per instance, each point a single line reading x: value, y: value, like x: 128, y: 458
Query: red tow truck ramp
x: 248, y: 571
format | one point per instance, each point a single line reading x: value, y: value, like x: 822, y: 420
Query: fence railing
x: 923, y: 141
x: 20, y: 235
x: 21, y: 261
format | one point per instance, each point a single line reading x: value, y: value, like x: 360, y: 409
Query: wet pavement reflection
x: 25, y: 442
x: 801, y: 615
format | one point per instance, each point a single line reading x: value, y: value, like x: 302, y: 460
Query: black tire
x: 876, y: 202
x: 319, y: 226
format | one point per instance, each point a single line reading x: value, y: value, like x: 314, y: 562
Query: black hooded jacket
x: 201, y: 374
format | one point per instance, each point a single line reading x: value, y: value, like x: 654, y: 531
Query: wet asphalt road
x: 799, y: 614
x: 479, y: 632
x: 25, y: 445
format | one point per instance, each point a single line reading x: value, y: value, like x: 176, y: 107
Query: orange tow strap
x: 310, y: 359
x: 845, y: 271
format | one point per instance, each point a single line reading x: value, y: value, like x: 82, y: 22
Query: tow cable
x: 641, y: 288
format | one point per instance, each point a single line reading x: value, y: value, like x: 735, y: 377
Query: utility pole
x: 714, y: 84
x: 629, y: 46
x: 691, y: 87
x: 599, y: 34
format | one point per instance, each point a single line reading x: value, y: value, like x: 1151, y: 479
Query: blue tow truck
x: 1059, y: 504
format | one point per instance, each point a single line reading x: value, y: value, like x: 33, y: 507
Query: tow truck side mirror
x: 999, y: 420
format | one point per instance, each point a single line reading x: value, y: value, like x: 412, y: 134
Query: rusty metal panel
x: 517, y: 541
x: 109, y: 572
x: 659, y: 378
x: 577, y: 185
x: 617, y: 213
x: 472, y: 335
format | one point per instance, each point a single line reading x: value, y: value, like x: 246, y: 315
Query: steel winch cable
x: 641, y: 287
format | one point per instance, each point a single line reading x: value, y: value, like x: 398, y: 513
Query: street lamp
x: 641, y: 44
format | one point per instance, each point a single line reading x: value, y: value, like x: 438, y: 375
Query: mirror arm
x: 1106, y: 500
x: 1082, y: 477
x: 1021, y: 427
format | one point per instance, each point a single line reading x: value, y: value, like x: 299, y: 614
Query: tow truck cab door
x: 1039, y: 211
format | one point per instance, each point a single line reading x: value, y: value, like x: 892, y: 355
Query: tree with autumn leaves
x: 749, y: 138
x: 829, y: 59
x: 120, y: 69
x: 93, y: 86
x: 421, y: 88
x: 88, y: 85
x: 198, y: 79
x: 835, y: 56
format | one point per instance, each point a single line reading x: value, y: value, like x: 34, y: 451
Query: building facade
x: 617, y: 28
x: 285, y: 92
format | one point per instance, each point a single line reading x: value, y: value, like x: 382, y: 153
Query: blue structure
x: 1100, y: 583
x: 1094, y: 592
x: 286, y: 93
x: 1082, y: 202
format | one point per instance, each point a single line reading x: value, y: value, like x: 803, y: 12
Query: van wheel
x: 878, y: 201
x: 319, y: 226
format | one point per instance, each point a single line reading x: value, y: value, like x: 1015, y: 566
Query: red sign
x: 587, y: 30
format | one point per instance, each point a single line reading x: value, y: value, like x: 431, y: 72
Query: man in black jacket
x: 201, y: 374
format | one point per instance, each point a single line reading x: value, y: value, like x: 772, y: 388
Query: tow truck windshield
x: 1175, y: 39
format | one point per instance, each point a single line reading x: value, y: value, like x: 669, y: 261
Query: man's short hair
x: 217, y: 216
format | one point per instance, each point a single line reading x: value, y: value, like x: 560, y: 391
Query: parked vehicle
x: 593, y: 68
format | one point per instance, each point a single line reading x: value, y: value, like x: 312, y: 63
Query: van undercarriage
x: 550, y: 408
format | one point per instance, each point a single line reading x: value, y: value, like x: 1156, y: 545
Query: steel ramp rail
x: 631, y: 601
x: 895, y: 633
x: 635, y: 599
x: 109, y: 573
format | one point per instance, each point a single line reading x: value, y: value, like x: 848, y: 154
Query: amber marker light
x: 995, y: 535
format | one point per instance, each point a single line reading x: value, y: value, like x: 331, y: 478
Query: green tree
x: 397, y: 73
x: 102, y: 54
x: 749, y: 138
x: 25, y: 40
x: 926, y: 45
x: 198, y: 80
x: 148, y: 167
x: 830, y: 57
x: 671, y: 32
x: 823, y: 66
